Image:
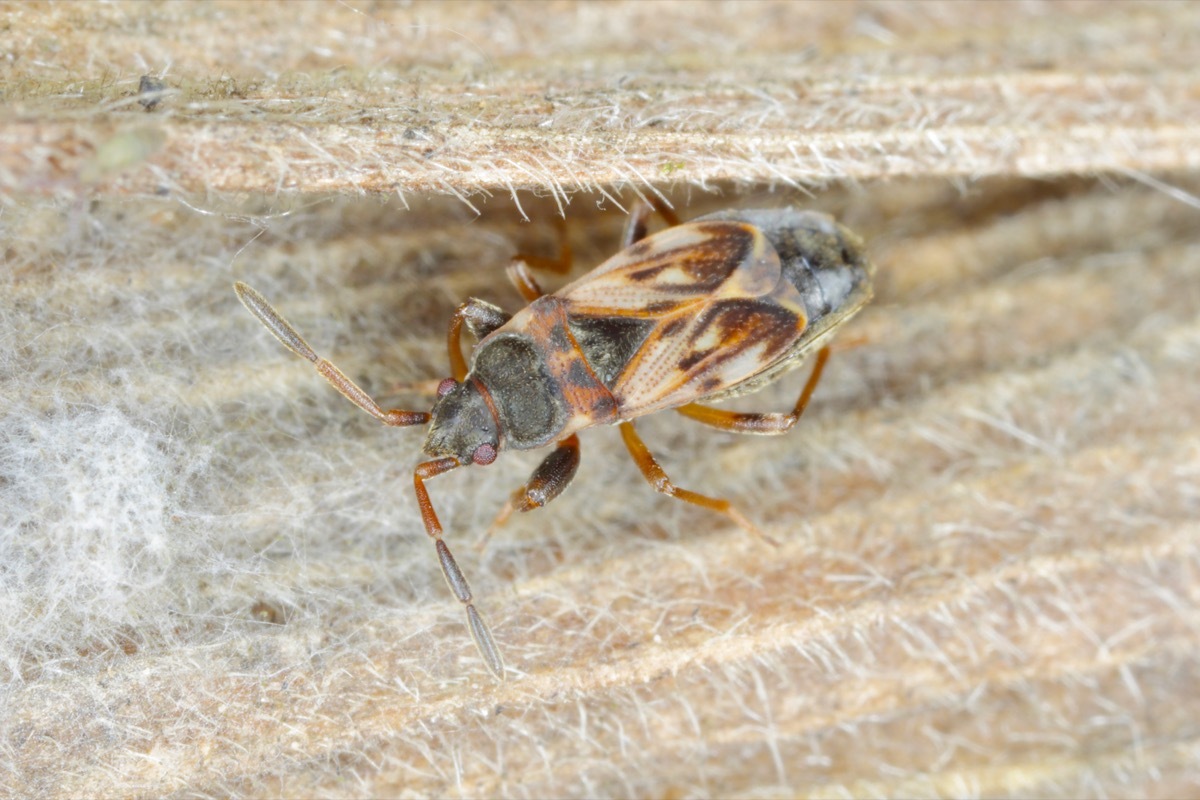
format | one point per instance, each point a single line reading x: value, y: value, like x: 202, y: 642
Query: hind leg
x: 654, y: 474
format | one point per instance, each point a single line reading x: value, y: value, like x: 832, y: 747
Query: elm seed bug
x: 702, y: 311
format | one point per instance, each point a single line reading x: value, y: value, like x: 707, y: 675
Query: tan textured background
x: 214, y: 577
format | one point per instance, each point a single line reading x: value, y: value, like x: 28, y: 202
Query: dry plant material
x: 213, y: 583
x: 987, y: 567
x: 474, y: 99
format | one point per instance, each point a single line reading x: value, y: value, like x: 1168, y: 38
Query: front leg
x: 546, y: 483
x: 485, y: 643
x: 637, y: 226
x: 481, y: 318
x: 522, y: 278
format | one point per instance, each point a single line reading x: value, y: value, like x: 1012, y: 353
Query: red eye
x: 484, y: 455
x: 446, y: 386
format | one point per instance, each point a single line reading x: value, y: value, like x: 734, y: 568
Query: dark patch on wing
x: 604, y: 407
x: 659, y: 307
x: 748, y: 322
x: 673, y: 325
x: 608, y: 343
x: 558, y: 340
x: 646, y: 273
x: 693, y: 358
x: 578, y: 374
x: 706, y: 265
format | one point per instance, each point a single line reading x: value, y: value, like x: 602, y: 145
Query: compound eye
x: 484, y: 455
x: 446, y: 387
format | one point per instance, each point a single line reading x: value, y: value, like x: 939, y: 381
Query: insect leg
x: 522, y: 278
x: 635, y: 228
x: 480, y: 633
x: 546, y: 483
x: 770, y: 423
x: 481, y: 319
x: 257, y: 305
x: 657, y: 478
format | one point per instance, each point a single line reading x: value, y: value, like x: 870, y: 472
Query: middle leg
x: 546, y: 483
x: 770, y: 423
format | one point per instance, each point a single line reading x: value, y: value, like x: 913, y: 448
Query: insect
x: 701, y: 311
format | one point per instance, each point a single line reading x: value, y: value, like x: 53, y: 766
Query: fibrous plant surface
x: 214, y: 578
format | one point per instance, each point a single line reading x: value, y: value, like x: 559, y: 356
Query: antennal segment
x: 257, y: 305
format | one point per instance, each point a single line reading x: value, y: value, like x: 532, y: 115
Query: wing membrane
x: 714, y: 306
x: 677, y: 268
x: 727, y: 342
